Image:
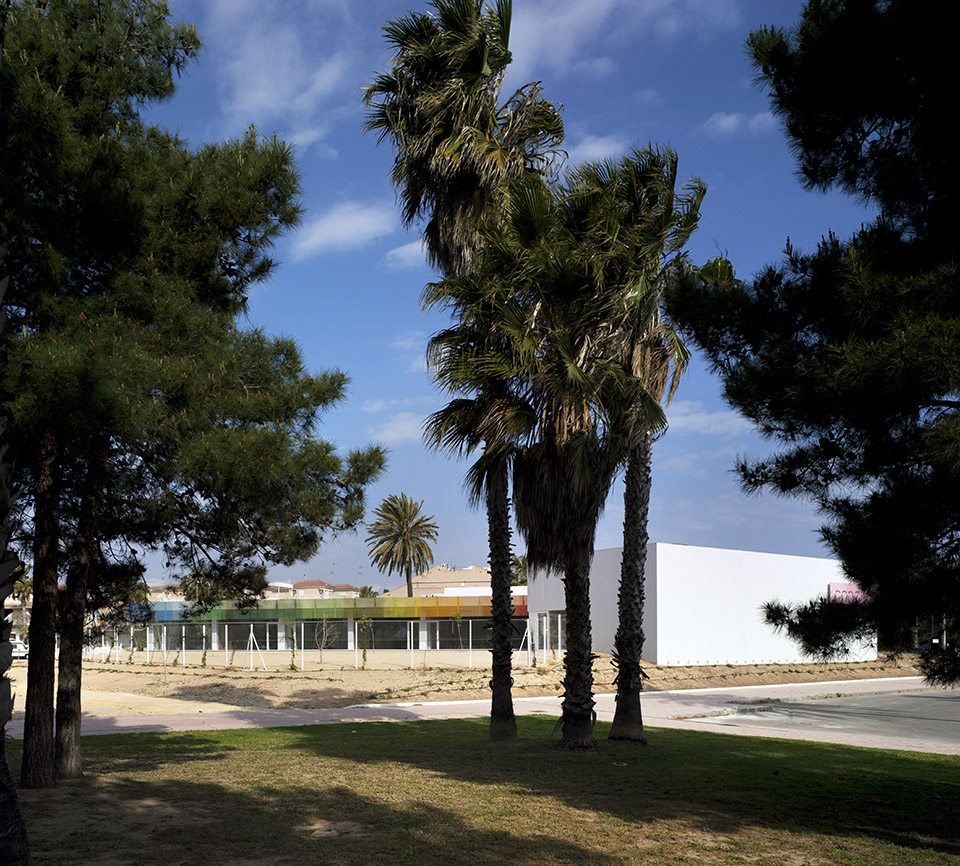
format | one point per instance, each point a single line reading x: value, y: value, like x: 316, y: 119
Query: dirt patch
x: 128, y: 689
x: 319, y: 829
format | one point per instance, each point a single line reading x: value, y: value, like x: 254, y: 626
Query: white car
x: 20, y: 649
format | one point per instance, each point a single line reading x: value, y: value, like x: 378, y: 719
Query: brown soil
x: 122, y: 689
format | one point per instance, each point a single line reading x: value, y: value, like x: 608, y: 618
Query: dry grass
x: 340, y: 687
x: 436, y: 792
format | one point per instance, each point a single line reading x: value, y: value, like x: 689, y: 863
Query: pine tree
x: 144, y: 416
x: 14, y: 848
x: 848, y: 356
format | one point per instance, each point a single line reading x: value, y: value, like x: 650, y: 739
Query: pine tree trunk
x: 14, y: 850
x: 37, y: 769
x: 69, y: 670
x: 578, y: 715
x: 628, y: 644
x: 503, y: 723
x: 72, y: 617
x: 13, y: 835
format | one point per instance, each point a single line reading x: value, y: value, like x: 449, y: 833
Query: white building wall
x: 703, y: 604
x: 544, y: 592
x: 604, y: 587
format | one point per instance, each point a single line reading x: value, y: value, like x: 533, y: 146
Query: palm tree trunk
x: 578, y: 716
x: 37, y: 769
x: 628, y: 644
x: 503, y: 723
x: 72, y: 617
x: 409, y: 574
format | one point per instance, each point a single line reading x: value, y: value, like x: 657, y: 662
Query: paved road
x: 883, y: 714
x: 889, y: 714
x: 931, y: 715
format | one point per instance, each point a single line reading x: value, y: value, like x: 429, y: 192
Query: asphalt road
x: 888, y: 714
x: 932, y: 715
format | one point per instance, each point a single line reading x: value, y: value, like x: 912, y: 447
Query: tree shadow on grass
x: 719, y: 783
x: 120, y: 753
x: 437, y: 792
x: 114, y: 819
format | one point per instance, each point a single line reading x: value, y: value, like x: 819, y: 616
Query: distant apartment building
x: 446, y: 580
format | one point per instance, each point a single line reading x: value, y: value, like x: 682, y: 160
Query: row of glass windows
x: 442, y: 634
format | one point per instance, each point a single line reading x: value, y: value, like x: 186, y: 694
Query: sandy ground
x: 126, y: 689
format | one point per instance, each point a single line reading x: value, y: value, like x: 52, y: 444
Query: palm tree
x: 518, y: 569
x: 399, y: 539
x: 481, y: 416
x: 533, y: 287
x: 562, y: 474
x: 457, y: 147
x: 576, y: 275
x: 648, y: 226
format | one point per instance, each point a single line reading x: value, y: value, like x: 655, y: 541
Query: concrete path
x: 908, y: 716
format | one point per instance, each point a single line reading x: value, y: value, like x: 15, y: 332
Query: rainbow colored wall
x: 430, y: 607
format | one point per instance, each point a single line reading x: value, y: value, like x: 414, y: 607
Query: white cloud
x: 323, y: 81
x: 647, y: 95
x: 345, y: 226
x: 276, y: 69
x: 406, y: 258
x: 699, y: 464
x: 410, y: 341
x: 723, y: 125
x: 594, y: 147
x: 598, y: 67
x: 556, y: 35
x: 313, y: 137
x: 411, y: 347
x: 373, y: 407
x: 553, y: 35
x: 688, y: 416
x: 402, y: 428
x: 761, y: 122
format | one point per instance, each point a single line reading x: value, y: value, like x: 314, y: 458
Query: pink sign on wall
x: 845, y: 592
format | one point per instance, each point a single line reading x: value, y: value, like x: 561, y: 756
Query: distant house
x: 446, y: 580
x: 165, y: 592
x: 317, y: 589
x: 18, y: 613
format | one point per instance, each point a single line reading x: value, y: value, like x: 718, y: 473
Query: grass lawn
x: 436, y: 792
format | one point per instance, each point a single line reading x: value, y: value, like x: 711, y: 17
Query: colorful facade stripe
x: 428, y: 607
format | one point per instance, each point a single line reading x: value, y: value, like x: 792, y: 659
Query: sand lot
x: 125, y: 689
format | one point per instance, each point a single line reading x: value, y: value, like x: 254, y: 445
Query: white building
x: 703, y: 604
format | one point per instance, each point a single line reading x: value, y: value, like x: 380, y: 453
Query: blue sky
x: 625, y: 72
